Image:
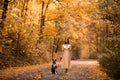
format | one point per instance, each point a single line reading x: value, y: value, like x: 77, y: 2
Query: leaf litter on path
x: 80, y: 70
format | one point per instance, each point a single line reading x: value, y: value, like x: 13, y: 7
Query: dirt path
x: 80, y: 70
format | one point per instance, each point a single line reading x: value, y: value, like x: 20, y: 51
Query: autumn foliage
x: 110, y: 59
x: 32, y: 31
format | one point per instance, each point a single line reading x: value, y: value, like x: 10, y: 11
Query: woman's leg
x: 66, y: 70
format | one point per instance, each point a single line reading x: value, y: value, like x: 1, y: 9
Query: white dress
x: 66, y: 57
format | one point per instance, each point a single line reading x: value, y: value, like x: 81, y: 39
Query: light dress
x: 66, y: 57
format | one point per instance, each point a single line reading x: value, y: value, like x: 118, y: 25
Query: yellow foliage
x: 85, y: 30
x: 51, y: 17
x: 49, y: 30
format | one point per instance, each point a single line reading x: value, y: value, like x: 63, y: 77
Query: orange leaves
x: 37, y: 76
x: 51, y: 17
x: 9, y: 72
x: 49, y: 30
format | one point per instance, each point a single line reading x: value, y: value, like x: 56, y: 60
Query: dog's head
x: 54, y: 61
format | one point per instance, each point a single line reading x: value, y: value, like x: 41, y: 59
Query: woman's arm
x: 62, y: 49
x: 70, y: 52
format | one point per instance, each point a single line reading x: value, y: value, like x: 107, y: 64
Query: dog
x: 54, y: 66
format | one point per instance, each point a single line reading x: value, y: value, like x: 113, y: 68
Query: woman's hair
x: 66, y: 41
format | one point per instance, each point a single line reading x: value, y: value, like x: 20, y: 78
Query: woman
x: 66, y: 55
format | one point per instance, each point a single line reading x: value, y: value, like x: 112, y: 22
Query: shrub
x: 110, y: 63
x: 93, y: 56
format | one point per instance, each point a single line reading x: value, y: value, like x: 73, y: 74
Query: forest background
x: 32, y: 31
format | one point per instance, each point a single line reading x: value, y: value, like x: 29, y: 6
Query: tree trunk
x: 43, y: 12
x: 42, y: 18
x: 17, y: 49
x: 97, y: 42
x: 41, y: 23
x: 5, y: 8
x: 106, y: 36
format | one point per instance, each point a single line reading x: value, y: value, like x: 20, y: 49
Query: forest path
x: 80, y: 70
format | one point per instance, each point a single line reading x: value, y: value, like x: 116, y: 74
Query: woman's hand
x: 60, y: 58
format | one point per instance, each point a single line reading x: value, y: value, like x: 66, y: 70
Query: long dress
x: 66, y: 57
